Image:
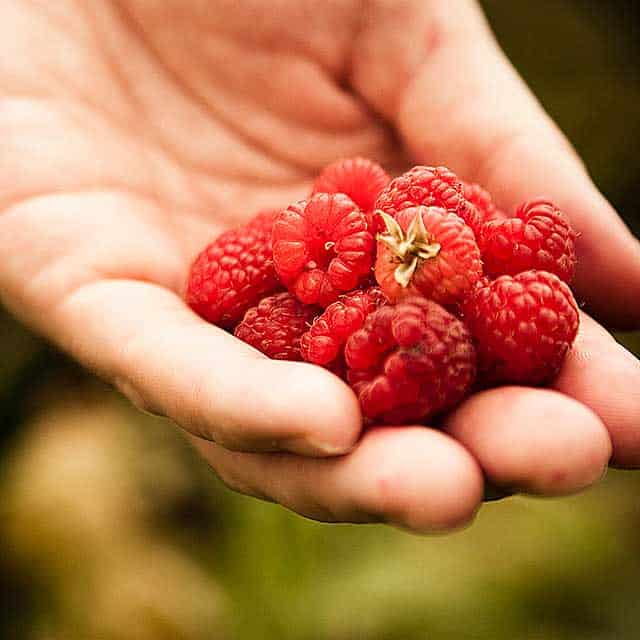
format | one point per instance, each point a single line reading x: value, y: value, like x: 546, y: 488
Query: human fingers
x: 456, y: 100
x: 535, y: 441
x: 413, y: 477
x: 168, y: 361
x: 603, y: 375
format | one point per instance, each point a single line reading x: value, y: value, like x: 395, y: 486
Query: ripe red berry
x: 410, y: 362
x: 359, y: 178
x: 428, y: 186
x: 539, y: 237
x: 523, y: 326
x: 322, y: 248
x: 324, y: 341
x: 233, y: 272
x: 481, y: 199
x: 427, y: 251
x: 276, y: 325
x: 263, y: 220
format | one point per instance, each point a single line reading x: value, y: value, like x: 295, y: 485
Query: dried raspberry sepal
x: 409, y: 248
x: 434, y: 256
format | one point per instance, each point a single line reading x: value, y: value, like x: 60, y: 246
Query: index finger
x: 467, y: 107
x: 165, y: 359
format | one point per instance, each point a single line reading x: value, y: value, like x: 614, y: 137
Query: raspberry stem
x: 408, y: 248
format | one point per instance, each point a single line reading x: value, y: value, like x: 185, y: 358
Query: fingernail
x: 310, y: 447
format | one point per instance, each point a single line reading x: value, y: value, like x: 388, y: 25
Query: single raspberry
x: 322, y: 247
x: 359, y: 178
x: 410, y: 361
x: 276, y: 325
x: 233, y: 272
x: 428, y: 186
x: 427, y: 251
x: 523, y: 326
x: 324, y: 341
x: 539, y: 237
x: 481, y: 199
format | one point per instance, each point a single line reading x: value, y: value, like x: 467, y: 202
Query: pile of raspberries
x: 416, y: 291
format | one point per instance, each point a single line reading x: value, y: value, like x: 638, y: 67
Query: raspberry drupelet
x: 427, y: 251
x: 359, y: 178
x: 410, y: 362
x: 481, y: 199
x: 523, y: 326
x: 276, y: 325
x: 538, y: 237
x: 263, y: 220
x: 234, y: 272
x: 323, y: 343
x: 322, y: 248
x: 428, y: 186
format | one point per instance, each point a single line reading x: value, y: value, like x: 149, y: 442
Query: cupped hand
x: 134, y: 131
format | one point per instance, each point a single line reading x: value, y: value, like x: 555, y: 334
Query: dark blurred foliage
x: 111, y: 529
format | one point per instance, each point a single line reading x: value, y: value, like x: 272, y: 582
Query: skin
x: 134, y: 131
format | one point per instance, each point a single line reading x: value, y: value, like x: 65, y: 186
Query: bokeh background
x: 112, y: 529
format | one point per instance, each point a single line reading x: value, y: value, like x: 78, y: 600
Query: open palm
x: 133, y: 131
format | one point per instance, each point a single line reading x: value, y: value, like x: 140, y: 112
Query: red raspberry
x: 359, y: 178
x: 428, y: 186
x: 427, y: 251
x: 233, y: 272
x: 322, y: 247
x: 276, y: 325
x: 409, y: 362
x: 264, y: 220
x: 481, y: 199
x: 539, y: 237
x: 523, y: 327
x: 323, y: 343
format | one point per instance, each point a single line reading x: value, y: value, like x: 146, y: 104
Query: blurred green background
x: 112, y: 529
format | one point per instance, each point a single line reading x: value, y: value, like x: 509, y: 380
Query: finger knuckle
x: 135, y: 396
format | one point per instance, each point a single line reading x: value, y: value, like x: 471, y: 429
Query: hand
x: 133, y: 131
